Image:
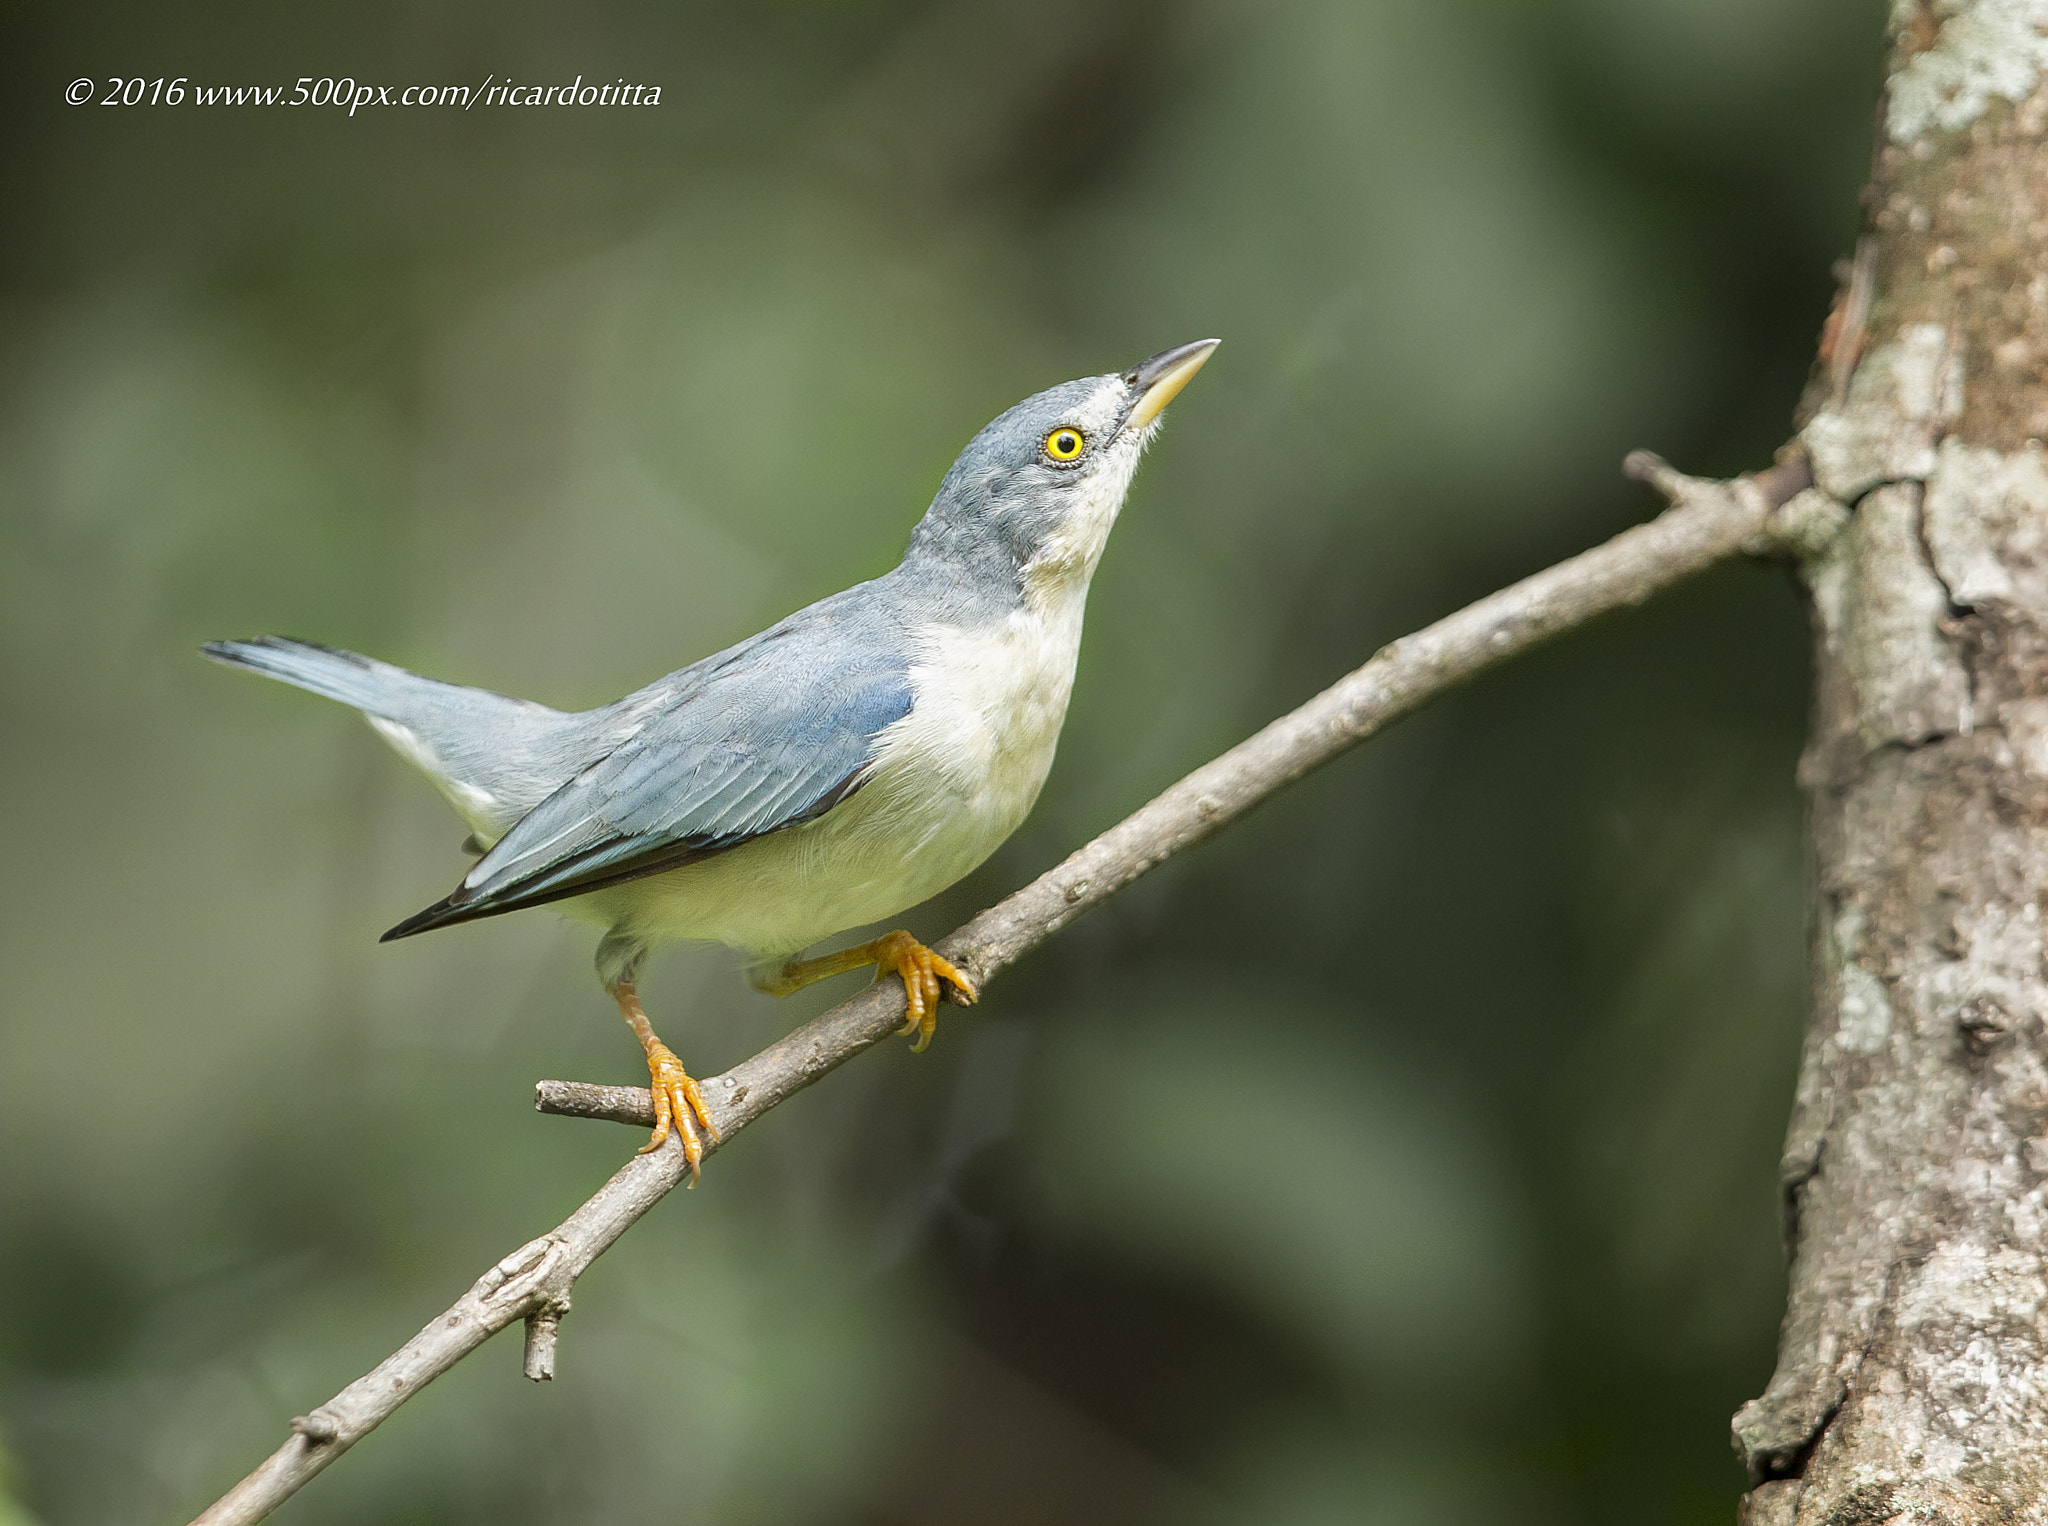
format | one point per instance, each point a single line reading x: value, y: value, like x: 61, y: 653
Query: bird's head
x: 1040, y: 487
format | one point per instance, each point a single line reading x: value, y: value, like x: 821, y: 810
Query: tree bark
x: 1912, y: 1379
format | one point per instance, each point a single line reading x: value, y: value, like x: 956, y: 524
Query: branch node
x: 1793, y: 518
x: 521, y: 1264
x: 319, y: 1427
x: 1786, y: 477
x: 1807, y: 525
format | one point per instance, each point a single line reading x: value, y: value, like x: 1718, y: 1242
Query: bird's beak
x: 1158, y: 381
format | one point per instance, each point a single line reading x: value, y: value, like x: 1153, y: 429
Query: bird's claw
x: 678, y: 1104
x: 922, y: 971
x: 896, y: 953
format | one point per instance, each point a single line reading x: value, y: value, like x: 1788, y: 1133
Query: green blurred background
x: 1407, y: 1155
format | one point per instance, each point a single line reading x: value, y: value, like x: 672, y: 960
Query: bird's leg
x: 677, y: 1100
x: 894, y: 953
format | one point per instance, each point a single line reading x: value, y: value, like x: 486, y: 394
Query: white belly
x: 949, y: 782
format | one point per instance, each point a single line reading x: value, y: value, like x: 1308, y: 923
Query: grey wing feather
x: 761, y: 740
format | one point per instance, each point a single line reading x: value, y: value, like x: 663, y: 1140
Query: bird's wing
x: 742, y: 750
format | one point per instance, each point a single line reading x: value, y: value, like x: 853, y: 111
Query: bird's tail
x: 494, y: 757
x: 376, y: 688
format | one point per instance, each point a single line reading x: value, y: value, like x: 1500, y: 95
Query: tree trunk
x: 1912, y: 1379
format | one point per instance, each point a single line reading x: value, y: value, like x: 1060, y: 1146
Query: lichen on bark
x: 1912, y: 1381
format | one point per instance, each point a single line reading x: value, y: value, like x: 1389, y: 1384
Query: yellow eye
x: 1064, y: 443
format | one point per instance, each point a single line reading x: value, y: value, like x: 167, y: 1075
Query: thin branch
x: 1706, y: 523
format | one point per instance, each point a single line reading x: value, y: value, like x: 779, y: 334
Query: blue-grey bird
x: 831, y: 772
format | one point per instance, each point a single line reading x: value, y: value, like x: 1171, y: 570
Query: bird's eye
x: 1064, y: 443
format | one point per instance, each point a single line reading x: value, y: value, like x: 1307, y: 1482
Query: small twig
x: 1706, y: 523
x: 542, y: 1324
x: 585, y: 1099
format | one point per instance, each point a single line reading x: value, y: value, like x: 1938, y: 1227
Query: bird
x: 829, y: 773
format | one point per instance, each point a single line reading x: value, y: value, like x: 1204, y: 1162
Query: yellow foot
x: 922, y: 970
x: 678, y: 1104
x: 894, y: 953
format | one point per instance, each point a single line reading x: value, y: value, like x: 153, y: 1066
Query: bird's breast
x: 985, y: 722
